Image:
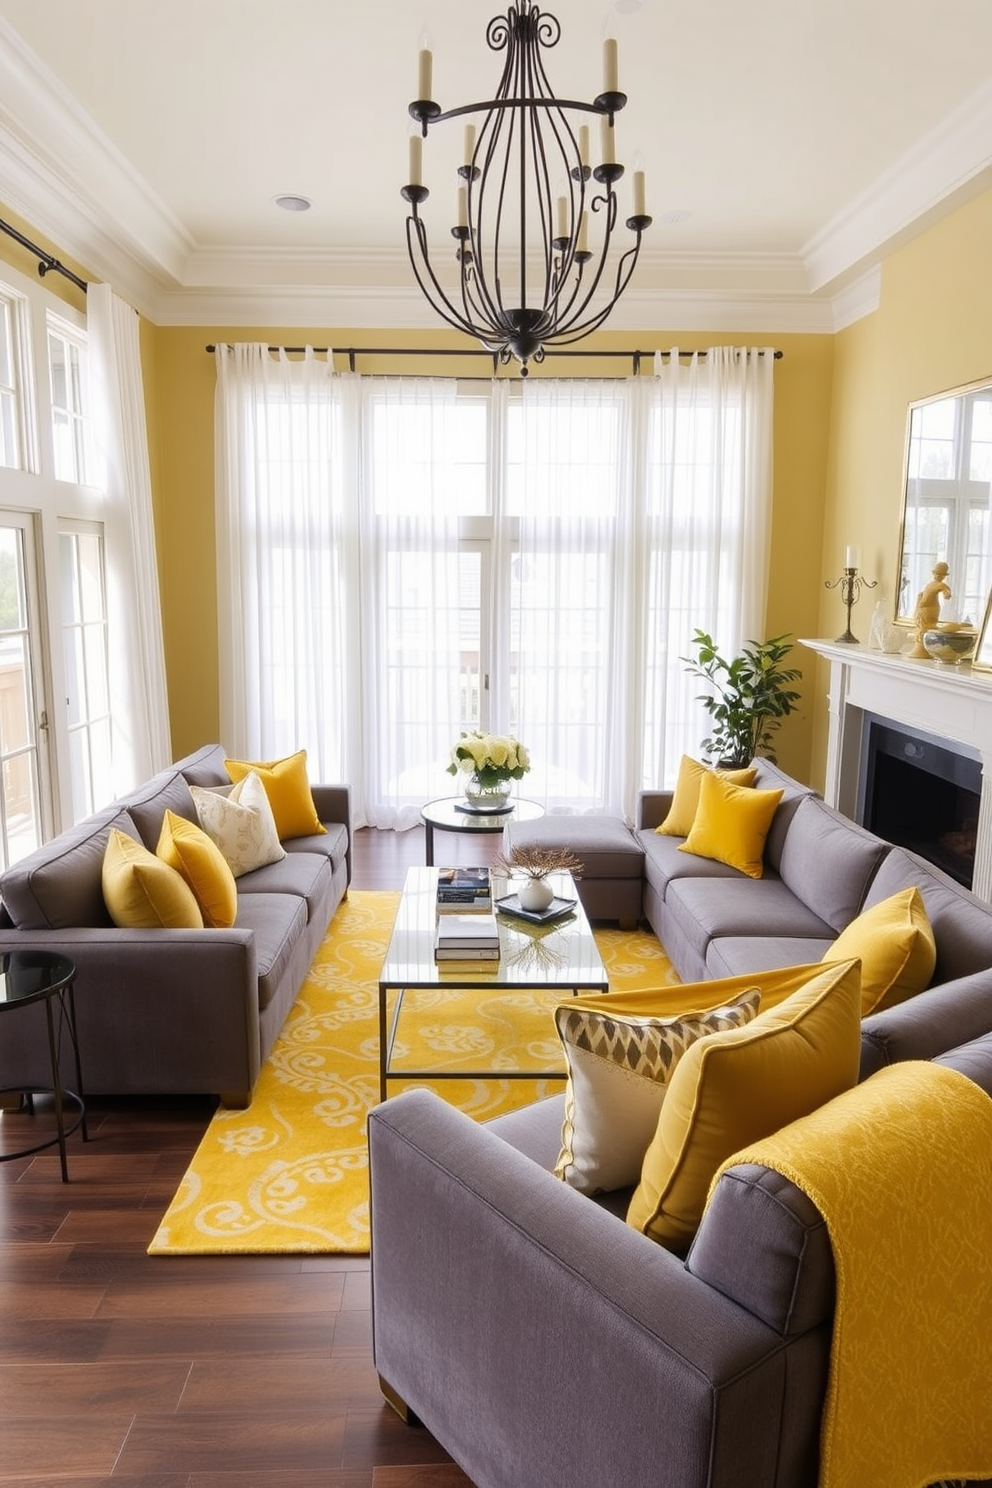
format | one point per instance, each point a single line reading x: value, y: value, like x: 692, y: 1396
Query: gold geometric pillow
x: 620, y: 1058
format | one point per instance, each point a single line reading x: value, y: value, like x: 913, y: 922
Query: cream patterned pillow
x: 239, y: 820
x: 619, y: 1063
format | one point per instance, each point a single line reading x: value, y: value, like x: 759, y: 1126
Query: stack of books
x: 464, y: 891
x: 467, y: 937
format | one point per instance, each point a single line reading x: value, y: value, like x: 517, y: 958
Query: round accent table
x: 45, y: 976
x: 447, y: 815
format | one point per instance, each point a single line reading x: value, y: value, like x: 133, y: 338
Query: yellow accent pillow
x: 685, y: 799
x: 895, y: 945
x: 187, y: 848
x: 288, y: 789
x: 731, y: 1089
x: 143, y: 893
x: 621, y: 1056
x: 731, y: 824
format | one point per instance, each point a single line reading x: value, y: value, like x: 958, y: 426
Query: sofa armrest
x: 146, y: 1001
x: 652, y: 807
x: 541, y: 1339
x: 929, y: 1024
x: 333, y: 803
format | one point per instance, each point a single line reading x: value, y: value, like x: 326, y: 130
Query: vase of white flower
x: 489, y: 764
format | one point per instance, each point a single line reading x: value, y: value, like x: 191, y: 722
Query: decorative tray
x: 484, y: 810
x: 556, y: 910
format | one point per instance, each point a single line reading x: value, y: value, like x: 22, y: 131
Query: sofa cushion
x: 770, y: 777
x: 302, y: 874
x: 278, y: 922
x: 894, y: 943
x: 332, y: 843
x: 147, y: 806
x: 682, y: 812
x: 734, y: 1088
x: 239, y: 820
x: 961, y: 923
x: 731, y: 823
x: 620, y: 1056
x: 186, y: 847
x: 144, y: 893
x: 663, y: 861
x: 605, y: 845
x: 288, y: 789
x: 738, y: 955
x: 205, y: 766
x: 59, y: 885
x: 829, y: 861
x: 705, y: 908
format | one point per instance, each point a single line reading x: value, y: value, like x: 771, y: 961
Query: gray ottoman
x: 611, y: 858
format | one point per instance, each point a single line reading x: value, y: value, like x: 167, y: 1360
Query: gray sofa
x: 171, y: 1011
x: 544, y: 1342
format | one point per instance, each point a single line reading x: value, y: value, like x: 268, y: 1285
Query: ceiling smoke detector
x: 292, y: 202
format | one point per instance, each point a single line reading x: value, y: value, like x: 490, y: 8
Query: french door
x: 25, y: 783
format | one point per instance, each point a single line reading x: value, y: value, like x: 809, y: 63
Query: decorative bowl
x: 950, y: 646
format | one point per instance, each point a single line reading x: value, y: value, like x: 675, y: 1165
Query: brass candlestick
x: 850, y: 583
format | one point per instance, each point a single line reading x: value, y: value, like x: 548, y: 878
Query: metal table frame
x: 429, y: 975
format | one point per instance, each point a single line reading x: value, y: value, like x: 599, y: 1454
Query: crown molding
x: 858, y: 299
x: 58, y: 169
x: 402, y: 307
x: 950, y: 163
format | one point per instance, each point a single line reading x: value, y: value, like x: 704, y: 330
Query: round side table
x: 45, y: 976
x: 448, y: 815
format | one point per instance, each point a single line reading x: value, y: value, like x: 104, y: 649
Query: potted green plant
x: 747, y: 699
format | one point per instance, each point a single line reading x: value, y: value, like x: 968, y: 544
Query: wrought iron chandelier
x: 527, y: 210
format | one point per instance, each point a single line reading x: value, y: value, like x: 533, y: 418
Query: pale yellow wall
x: 932, y: 331
x: 181, y: 389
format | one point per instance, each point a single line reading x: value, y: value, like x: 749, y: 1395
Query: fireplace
x: 922, y: 793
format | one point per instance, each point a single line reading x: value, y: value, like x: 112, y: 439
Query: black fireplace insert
x: 922, y: 793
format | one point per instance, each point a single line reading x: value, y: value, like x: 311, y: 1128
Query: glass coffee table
x: 447, y: 815
x: 559, y: 955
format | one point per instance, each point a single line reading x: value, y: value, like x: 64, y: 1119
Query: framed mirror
x: 947, y: 510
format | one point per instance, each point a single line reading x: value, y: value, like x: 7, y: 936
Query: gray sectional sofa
x: 171, y: 1011
x: 547, y: 1344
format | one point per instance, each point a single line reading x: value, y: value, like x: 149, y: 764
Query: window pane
x: 12, y: 599
x: 56, y: 359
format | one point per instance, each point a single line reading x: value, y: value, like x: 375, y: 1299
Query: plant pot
x: 535, y: 894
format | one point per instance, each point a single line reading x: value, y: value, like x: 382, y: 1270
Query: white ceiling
x: 792, y: 139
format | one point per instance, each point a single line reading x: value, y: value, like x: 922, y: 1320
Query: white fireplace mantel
x: 949, y: 702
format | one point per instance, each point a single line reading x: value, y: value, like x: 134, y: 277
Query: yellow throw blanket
x: 900, y: 1167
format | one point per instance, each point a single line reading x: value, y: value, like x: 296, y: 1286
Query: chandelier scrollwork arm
x: 528, y: 273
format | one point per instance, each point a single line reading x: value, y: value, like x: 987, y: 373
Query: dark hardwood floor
x: 134, y: 1371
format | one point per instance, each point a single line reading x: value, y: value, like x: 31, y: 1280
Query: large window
x: 525, y: 557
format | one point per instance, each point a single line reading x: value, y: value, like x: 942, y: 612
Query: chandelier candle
x: 539, y: 265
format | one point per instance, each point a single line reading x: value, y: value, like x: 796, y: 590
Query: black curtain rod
x: 351, y: 352
x: 47, y: 263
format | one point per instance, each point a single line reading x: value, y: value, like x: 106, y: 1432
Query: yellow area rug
x: 290, y: 1173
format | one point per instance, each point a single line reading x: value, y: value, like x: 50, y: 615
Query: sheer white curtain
x: 140, y: 741
x: 401, y: 558
x: 563, y: 543
x: 423, y: 471
x: 287, y: 546
x: 632, y: 514
x: 706, y: 516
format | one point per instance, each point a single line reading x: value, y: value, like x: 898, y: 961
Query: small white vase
x: 535, y: 894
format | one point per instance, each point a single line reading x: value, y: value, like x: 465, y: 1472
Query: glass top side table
x: 44, y: 976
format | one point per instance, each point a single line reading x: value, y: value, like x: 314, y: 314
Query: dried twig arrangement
x: 537, y: 862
